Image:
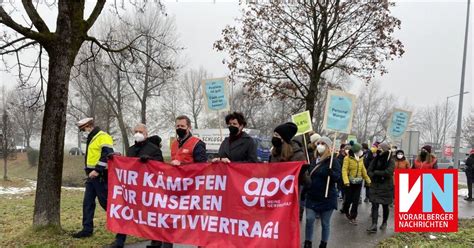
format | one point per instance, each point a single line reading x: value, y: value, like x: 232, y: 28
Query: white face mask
x: 321, y: 149
x: 360, y: 153
x: 400, y: 156
x: 139, y: 137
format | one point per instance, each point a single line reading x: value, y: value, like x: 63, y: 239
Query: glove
x: 111, y: 155
x: 144, y: 158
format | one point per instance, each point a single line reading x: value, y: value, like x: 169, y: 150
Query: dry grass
x: 73, y: 170
x: 16, y: 215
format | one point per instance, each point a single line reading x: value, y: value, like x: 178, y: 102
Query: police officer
x: 98, y: 146
x: 186, y: 148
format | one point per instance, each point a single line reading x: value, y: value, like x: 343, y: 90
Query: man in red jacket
x: 186, y: 148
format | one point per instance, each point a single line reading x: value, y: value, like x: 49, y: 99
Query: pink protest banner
x: 212, y: 205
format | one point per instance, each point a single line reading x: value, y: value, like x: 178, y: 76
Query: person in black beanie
x: 284, y: 149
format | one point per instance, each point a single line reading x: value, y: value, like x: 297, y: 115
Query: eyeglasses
x: 320, y: 143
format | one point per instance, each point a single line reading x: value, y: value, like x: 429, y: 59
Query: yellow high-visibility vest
x: 94, y: 150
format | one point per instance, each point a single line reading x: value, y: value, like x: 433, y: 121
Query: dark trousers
x: 375, y: 212
x: 95, y: 188
x: 120, y: 241
x: 469, y: 183
x: 351, y: 201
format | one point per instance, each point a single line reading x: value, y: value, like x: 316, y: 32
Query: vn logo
x: 426, y: 200
x: 257, y: 189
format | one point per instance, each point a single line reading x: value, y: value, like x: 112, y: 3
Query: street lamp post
x: 461, y: 90
x: 446, y: 120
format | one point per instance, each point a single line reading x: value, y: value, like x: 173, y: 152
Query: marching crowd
x: 350, y: 169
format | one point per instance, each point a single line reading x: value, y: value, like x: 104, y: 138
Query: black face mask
x: 276, y: 142
x: 423, y: 155
x: 233, y: 131
x: 181, y: 132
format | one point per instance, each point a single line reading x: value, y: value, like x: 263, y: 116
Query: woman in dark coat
x: 316, y: 202
x: 239, y: 146
x: 284, y: 148
x: 381, y: 190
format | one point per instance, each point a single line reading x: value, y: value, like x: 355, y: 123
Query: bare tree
x: 149, y: 72
x: 86, y: 100
x: 282, y: 49
x: 468, y: 129
x: 25, y: 113
x: 263, y: 114
x: 113, y: 87
x: 61, y: 46
x: 432, y: 121
x: 193, y: 97
x: 373, y: 110
x: 7, y: 143
x: 171, y: 106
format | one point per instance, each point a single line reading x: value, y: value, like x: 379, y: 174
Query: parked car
x: 20, y: 148
x: 462, y: 165
x: 444, y: 163
x: 75, y: 151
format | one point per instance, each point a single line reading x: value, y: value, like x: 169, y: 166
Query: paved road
x: 345, y: 235
x: 462, y: 178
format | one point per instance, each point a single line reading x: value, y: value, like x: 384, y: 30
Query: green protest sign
x: 303, y: 121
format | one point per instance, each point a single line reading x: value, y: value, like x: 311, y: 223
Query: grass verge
x: 73, y: 169
x: 16, y: 215
x: 464, y: 238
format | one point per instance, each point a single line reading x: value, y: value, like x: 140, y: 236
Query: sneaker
x: 468, y: 199
x: 383, y: 226
x: 82, y: 234
x: 353, y: 222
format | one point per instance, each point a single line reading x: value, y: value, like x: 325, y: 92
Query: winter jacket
x: 470, y: 166
x: 145, y: 149
x: 315, y: 196
x: 340, y: 159
x: 98, y: 145
x: 425, y: 165
x: 381, y: 173
x: 352, y: 168
x: 368, y: 157
x: 199, y: 152
x: 298, y: 154
x: 402, y: 164
x: 242, y: 149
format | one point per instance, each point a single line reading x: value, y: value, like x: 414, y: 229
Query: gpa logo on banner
x: 426, y: 200
x: 258, y: 189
